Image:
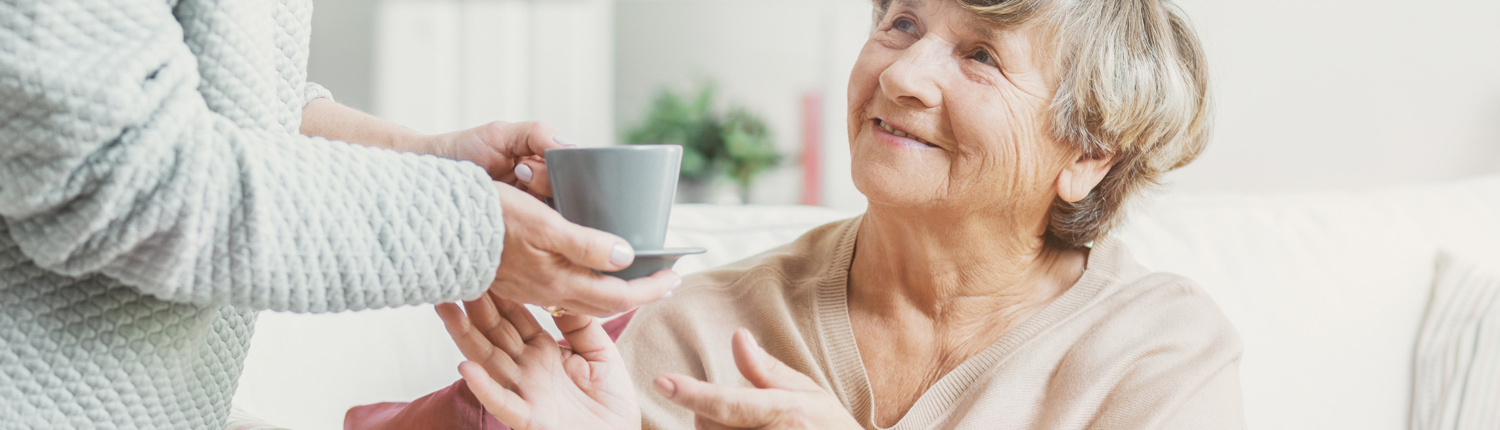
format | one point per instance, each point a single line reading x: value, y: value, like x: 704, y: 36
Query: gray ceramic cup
x: 625, y: 190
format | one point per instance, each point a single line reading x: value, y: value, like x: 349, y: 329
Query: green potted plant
x: 736, y: 145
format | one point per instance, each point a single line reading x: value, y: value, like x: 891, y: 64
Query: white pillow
x: 1457, y: 384
x: 1325, y: 290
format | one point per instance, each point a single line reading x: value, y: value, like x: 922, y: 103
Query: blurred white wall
x: 1312, y: 94
x: 443, y: 65
x: 1344, y: 94
x: 343, y: 48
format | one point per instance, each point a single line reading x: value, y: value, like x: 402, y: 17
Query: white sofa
x: 1327, y: 291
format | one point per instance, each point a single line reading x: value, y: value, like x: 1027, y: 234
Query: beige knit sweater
x: 1124, y: 348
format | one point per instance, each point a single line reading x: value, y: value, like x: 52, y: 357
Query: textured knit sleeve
x: 312, y: 91
x: 112, y: 164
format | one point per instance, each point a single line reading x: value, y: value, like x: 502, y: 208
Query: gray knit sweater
x: 155, y: 193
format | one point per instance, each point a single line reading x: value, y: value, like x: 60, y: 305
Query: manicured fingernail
x: 523, y: 172
x: 664, y: 386
x: 561, y: 141
x: 622, y: 254
x: 675, y: 284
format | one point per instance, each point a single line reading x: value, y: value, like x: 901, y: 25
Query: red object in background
x: 812, y: 147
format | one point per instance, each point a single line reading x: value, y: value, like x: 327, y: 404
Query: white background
x: 1312, y: 95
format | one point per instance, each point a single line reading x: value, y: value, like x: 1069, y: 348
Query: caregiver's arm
x: 498, y: 147
x: 328, y: 119
x: 113, y: 165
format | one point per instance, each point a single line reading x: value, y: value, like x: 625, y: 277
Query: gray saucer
x: 649, y: 262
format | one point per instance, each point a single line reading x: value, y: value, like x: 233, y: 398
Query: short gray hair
x: 1134, y: 86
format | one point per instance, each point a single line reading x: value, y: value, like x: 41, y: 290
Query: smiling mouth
x: 892, y: 130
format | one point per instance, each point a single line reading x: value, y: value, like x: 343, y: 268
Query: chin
x: 896, y: 177
x: 883, y: 185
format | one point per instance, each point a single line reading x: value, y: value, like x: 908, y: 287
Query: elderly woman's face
x: 948, y: 110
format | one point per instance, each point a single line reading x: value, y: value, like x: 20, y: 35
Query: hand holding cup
x: 551, y: 262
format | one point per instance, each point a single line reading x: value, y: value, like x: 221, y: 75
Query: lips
x: 893, y: 130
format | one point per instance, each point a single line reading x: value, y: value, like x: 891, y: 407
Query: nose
x: 912, y: 80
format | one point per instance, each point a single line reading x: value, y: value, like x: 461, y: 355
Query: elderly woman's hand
x: 782, y: 398
x: 550, y: 262
x: 528, y: 382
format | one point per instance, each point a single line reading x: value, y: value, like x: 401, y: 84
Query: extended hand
x: 783, y: 398
x: 528, y: 382
x: 549, y: 261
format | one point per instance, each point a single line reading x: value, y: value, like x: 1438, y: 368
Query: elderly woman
x: 998, y: 142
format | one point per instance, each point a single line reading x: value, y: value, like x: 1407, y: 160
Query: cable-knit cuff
x: 312, y: 91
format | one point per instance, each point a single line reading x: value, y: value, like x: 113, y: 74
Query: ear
x: 1080, y: 177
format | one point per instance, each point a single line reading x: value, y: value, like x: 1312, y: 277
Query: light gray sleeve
x: 312, y: 91
x: 111, y: 164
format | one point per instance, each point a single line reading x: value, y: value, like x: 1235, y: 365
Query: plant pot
x: 697, y: 190
x: 715, y: 190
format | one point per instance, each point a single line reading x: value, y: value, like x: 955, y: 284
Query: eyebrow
x: 912, y: 4
x: 978, y: 26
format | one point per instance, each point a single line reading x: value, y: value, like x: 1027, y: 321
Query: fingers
x: 765, y: 371
x: 730, y: 406
x: 532, y: 171
x: 585, y: 335
x: 486, y: 318
x: 520, y: 318
x: 473, y: 344
x: 521, y: 139
x: 607, y: 295
x: 544, y: 229
x: 505, y: 405
x: 537, y: 138
x: 585, y: 246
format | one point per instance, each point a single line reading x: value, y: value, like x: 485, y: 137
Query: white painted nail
x: 561, y: 141
x: 675, y: 284
x: 622, y: 255
x: 523, y: 172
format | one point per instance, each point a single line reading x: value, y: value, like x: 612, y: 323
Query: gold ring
x: 556, y: 311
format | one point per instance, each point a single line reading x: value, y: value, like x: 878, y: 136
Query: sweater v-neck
x: 841, y: 352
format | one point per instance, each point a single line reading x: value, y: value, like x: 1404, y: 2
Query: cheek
x: 1007, y: 157
x: 863, y: 81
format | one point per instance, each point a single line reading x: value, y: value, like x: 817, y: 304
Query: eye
x: 905, y: 25
x: 983, y: 56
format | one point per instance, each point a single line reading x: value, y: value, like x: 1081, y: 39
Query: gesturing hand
x: 549, y: 261
x: 783, y: 398
x: 528, y: 382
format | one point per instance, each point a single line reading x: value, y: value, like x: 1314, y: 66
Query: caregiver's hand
x: 528, y: 382
x: 782, y: 398
x: 510, y: 152
x: 550, y: 262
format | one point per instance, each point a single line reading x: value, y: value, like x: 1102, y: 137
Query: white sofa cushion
x: 1324, y: 290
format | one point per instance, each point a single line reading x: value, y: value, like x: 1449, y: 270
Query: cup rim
x: 631, y: 147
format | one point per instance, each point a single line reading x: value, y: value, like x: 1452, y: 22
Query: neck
x: 957, y: 268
